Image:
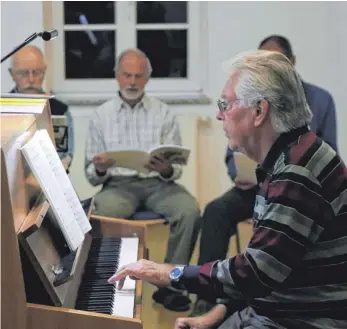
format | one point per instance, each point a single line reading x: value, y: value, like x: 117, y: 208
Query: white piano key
x: 124, y: 300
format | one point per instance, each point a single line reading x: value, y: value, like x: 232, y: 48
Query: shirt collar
x: 281, y: 142
x: 144, y: 103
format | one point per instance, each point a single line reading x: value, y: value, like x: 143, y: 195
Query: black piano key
x: 95, y: 294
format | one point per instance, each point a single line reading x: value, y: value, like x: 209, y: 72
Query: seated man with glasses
x: 236, y: 205
x: 293, y: 272
x: 28, y: 70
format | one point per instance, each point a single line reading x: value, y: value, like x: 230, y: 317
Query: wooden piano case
x: 27, y: 267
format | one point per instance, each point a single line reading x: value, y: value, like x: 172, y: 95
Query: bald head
x: 28, y: 69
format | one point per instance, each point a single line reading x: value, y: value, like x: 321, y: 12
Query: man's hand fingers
x: 120, y: 283
x: 155, y: 161
x: 149, y: 166
x: 121, y: 274
x: 182, y: 323
x: 159, y: 158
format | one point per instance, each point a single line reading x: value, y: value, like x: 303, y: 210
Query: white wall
x: 17, y: 25
x: 316, y: 30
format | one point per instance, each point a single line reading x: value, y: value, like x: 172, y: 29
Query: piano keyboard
x: 106, y: 256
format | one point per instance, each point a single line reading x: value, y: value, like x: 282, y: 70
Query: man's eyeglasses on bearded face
x: 26, y: 73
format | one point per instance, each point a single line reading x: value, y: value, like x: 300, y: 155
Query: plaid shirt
x: 295, y: 264
x: 116, y: 126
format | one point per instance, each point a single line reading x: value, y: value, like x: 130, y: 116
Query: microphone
x: 49, y: 35
x: 45, y: 35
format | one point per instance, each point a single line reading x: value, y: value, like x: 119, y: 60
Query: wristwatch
x: 176, y: 273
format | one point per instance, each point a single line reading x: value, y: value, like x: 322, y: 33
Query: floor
x: 154, y: 316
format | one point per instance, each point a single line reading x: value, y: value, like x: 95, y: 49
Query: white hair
x: 133, y: 51
x: 271, y: 76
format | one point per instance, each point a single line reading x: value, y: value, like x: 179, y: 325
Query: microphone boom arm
x: 44, y: 35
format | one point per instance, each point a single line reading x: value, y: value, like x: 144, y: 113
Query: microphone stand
x: 28, y: 40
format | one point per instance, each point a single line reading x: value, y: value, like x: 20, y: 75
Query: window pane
x: 161, y: 12
x: 167, y: 51
x: 95, y: 12
x: 89, y: 54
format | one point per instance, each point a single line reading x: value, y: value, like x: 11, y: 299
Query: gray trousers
x: 248, y: 319
x: 122, y: 196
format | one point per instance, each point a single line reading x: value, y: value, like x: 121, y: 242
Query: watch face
x: 175, y: 273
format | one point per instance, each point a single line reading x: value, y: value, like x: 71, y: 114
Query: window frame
x: 188, y: 88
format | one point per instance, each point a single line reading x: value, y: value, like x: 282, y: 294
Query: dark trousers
x: 219, y: 222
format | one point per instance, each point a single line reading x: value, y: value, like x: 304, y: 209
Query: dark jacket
x: 60, y: 108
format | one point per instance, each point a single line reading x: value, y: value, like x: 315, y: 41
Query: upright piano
x: 44, y: 284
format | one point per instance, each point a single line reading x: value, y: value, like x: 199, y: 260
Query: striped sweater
x: 295, y: 265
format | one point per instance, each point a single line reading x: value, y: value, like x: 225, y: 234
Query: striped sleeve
x: 282, y: 235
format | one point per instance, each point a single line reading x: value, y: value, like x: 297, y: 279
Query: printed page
x: 64, y: 182
x: 131, y: 159
x: 42, y: 171
x: 175, y: 153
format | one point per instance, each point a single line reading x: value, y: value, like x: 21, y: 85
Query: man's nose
x: 132, y: 80
x: 31, y: 77
x: 219, y: 116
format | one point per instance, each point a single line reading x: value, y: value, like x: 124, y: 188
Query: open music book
x: 137, y: 159
x: 47, y: 168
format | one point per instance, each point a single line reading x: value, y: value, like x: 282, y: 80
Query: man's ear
x: 262, y: 110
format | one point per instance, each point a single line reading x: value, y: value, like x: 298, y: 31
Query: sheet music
x: 63, y: 179
x: 50, y: 186
x: 17, y: 104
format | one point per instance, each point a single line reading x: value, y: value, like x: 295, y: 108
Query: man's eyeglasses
x: 26, y: 73
x: 224, y: 106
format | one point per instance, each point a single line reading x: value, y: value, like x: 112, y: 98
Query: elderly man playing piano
x: 135, y: 120
x: 293, y: 272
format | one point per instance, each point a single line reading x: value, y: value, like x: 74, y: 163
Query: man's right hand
x: 191, y: 323
x: 102, y: 162
x: 208, y: 320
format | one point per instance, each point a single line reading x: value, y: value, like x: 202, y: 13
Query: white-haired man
x: 293, y: 272
x: 135, y: 120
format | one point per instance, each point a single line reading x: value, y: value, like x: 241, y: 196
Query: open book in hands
x: 137, y: 159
